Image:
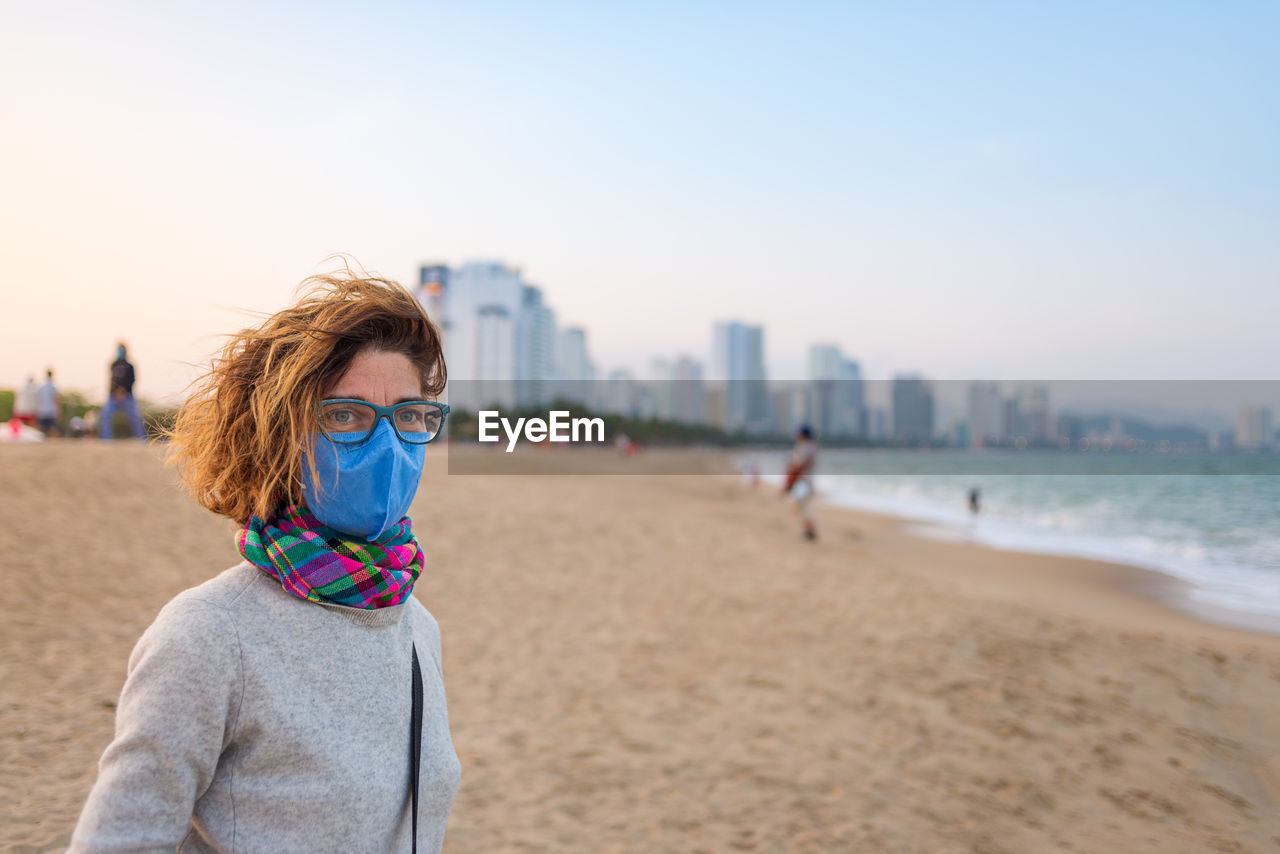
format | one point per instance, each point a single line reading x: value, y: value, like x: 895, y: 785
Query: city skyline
x: 533, y: 364
x: 506, y: 350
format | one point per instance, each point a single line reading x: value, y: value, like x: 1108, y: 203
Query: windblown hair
x: 239, y: 437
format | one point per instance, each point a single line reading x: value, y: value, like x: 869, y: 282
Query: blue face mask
x: 366, y: 488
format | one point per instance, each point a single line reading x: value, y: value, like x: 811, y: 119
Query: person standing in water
x: 975, y: 501
x: 120, y: 395
x: 799, y: 482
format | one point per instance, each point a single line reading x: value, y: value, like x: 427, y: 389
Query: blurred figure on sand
x: 799, y: 482
x: 24, y: 404
x: 625, y: 445
x: 48, y: 406
x: 975, y: 501
x: 295, y: 702
x: 120, y: 396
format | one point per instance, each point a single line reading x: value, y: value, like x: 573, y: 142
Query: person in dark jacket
x: 120, y: 395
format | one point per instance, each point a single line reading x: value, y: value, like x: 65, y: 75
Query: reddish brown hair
x: 238, y: 439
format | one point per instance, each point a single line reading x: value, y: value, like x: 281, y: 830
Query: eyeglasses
x: 349, y: 421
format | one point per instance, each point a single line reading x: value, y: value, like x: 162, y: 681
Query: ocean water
x: 1220, y: 532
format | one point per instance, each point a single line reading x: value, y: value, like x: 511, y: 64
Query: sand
x: 659, y: 664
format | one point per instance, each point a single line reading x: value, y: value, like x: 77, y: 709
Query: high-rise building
x: 433, y: 284
x: 480, y: 305
x: 535, y: 350
x: 1012, y: 424
x: 491, y: 382
x: 821, y: 397
x: 850, y: 406
x: 689, y: 392
x: 824, y: 362
x: 619, y: 394
x: 432, y: 291
x: 877, y: 425
x: 738, y: 366
x: 676, y: 391
x: 500, y: 338
x: 658, y: 388
x: 786, y: 405
x: 984, y: 414
x: 1033, y: 407
x: 1254, y: 428
x: 912, y: 409
x: 575, y: 372
x: 834, y: 405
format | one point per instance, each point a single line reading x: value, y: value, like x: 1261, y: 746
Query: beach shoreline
x: 1217, y: 533
x: 1154, y: 594
x: 1151, y: 586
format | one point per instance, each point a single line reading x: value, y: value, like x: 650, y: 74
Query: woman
x: 799, y: 480
x: 270, y: 708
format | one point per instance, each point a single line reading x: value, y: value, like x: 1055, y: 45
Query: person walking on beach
x: 24, y: 403
x: 48, y: 406
x: 296, y: 701
x: 120, y: 395
x: 799, y: 480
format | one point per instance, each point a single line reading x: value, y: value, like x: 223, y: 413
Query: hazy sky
x: 1014, y: 190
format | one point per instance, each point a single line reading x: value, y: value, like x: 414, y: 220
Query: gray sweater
x: 254, y: 721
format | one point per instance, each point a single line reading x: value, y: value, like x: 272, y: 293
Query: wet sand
x: 660, y: 664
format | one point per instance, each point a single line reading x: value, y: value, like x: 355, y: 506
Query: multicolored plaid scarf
x: 319, y: 564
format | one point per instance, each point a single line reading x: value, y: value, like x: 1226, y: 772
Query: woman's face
x: 380, y: 377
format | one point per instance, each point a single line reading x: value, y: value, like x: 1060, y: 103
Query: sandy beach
x: 659, y: 664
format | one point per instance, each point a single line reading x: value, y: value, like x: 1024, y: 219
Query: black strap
x: 415, y: 743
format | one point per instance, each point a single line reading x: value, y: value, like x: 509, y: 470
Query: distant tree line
x: 464, y: 425
x: 74, y: 404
